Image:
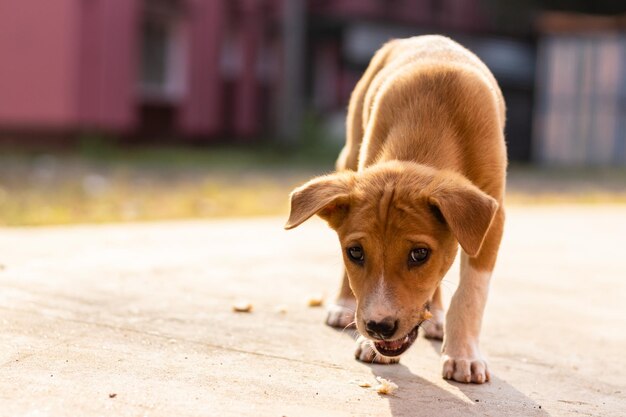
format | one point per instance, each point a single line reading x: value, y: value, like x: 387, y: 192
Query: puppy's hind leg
x: 341, y: 312
x: 433, y: 328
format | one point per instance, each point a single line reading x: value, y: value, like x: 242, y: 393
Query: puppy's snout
x: 383, y: 329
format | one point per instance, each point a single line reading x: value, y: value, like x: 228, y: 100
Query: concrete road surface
x: 136, y: 320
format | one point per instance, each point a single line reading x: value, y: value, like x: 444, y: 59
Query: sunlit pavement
x: 136, y: 320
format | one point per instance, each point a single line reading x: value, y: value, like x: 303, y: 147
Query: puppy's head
x: 399, y: 225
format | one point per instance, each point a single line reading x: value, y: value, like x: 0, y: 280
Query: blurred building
x: 209, y: 70
x: 116, y: 66
x: 580, y: 115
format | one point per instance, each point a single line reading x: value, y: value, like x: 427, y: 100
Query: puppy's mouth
x: 398, y: 346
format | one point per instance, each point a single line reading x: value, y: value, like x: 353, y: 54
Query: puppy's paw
x: 365, y: 352
x: 469, y: 367
x: 341, y: 314
x: 433, y: 328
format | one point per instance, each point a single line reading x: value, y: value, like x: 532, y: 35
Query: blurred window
x: 162, y: 51
x: 154, y: 54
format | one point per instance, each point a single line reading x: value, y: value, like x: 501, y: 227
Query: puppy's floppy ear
x: 467, y: 210
x: 328, y: 196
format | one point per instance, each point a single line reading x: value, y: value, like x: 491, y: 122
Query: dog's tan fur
x: 424, y: 166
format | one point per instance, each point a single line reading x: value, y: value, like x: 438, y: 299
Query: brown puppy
x: 423, y: 171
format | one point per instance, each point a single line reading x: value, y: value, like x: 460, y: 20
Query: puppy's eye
x: 356, y: 254
x: 418, y: 256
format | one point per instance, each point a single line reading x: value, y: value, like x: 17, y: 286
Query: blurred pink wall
x: 67, y: 64
x: 38, y: 62
x: 108, y: 61
x: 201, y: 108
x: 72, y: 65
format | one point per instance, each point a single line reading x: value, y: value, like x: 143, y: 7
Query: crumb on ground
x: 315, y: 300
x: 242, y: 307
x: 385, y: 386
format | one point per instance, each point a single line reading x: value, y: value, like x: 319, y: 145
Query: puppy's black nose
x: 382, y: 329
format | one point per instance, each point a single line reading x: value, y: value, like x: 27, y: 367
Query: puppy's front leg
x: 461, y: 356
x: 462, y: 360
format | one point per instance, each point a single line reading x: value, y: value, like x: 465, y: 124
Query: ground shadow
x: 496, y: 392
x: 420, y: 397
